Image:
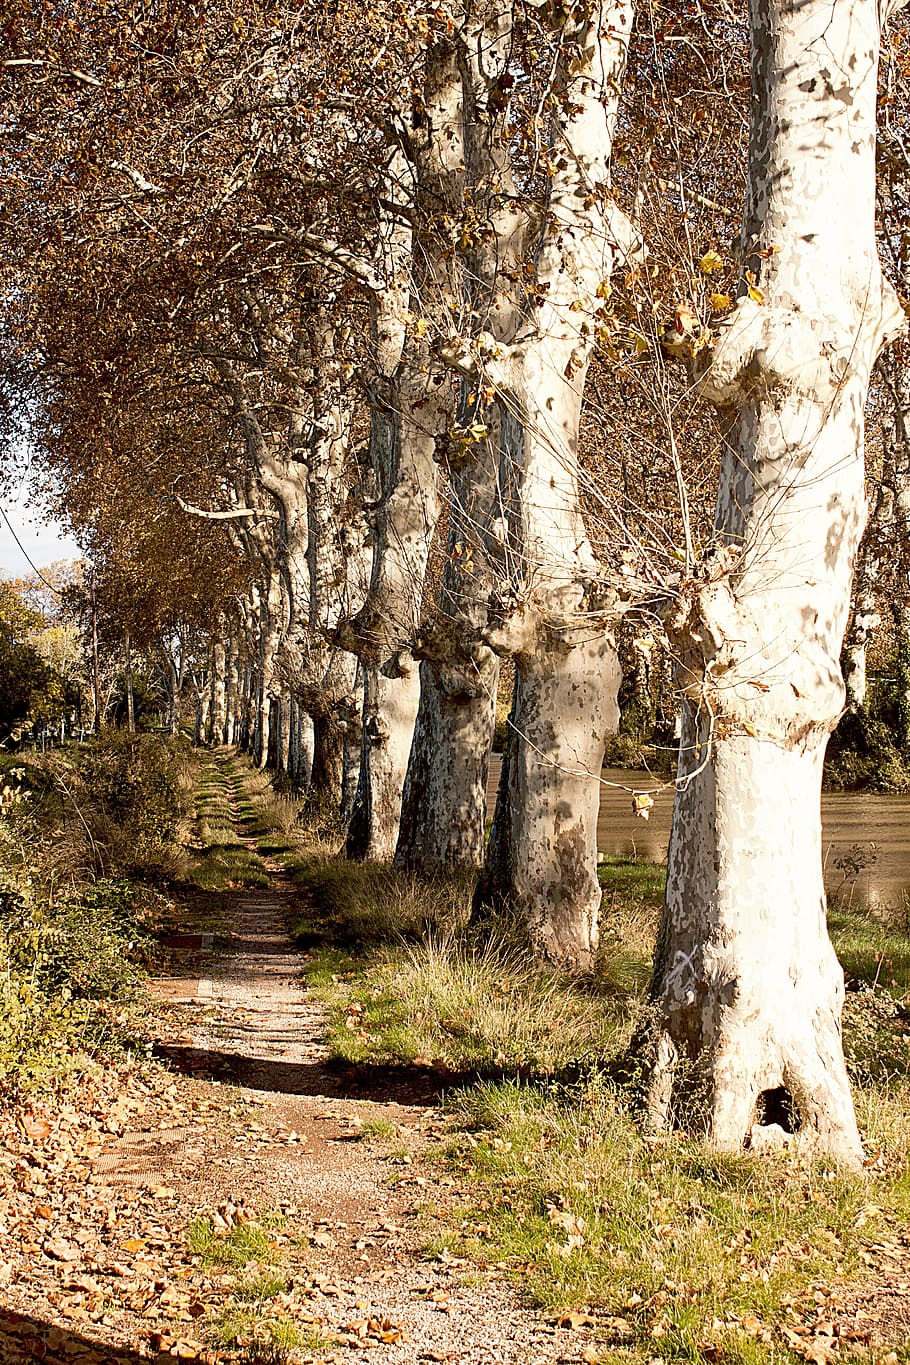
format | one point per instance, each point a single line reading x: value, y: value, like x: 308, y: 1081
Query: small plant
x: 233, y: 1247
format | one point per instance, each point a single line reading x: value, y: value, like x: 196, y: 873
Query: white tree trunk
x: 747, y: 989
x: 555, y: 615
x: 412, y: 406
x: 444, y: 809
x: 391, y: 700
x: 219, y: 692
x: 864, y: 618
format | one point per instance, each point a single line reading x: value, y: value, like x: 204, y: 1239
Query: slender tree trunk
x: 284, y: 734
x: 747, y: 989
x: 201, y: 732
x: 864, y: 617
x: 130, y: 700
x: 901, y: 614
x: 268, y: 646
x: 219, y: 692
x: 412, y: 406
x: 96, y: 673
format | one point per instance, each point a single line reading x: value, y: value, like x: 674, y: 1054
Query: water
x: 874, y: 826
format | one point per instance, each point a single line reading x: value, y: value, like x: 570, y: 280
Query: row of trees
x: 352, y: 331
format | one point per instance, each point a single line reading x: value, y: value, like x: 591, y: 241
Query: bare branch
x: 234, y: 514
x: 325, y: 247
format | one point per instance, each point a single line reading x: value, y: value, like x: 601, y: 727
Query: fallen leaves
x: 376, y: 1329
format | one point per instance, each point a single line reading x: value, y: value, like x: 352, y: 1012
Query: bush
x: 110, y: 809
x: 862, y: 756
x: 65, y: 965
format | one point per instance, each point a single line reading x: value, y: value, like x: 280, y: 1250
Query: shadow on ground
x: 25, y: 1340
x: 385, y: 1084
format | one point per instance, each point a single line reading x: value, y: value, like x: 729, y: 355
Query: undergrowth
x: 79, y: 830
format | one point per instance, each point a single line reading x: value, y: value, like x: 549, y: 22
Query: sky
x: 43, y: 542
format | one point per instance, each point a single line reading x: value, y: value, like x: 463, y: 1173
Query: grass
x: 234, y: 1248
x: 679, y: 1253
x: 224, y: 860
x: 252, y: 1323
x: 682, y: 1252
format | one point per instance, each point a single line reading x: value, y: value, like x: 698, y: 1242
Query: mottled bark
x: 444, y: 809
x: 218, y: 705
x: 412, y: 407
x: 555, y: 614
x: 747, y: 990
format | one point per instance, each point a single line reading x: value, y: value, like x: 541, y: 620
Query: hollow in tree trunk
x: 747, y: 990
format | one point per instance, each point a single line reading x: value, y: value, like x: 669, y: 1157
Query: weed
x: 234, y: 1248
x: 381, y: 1129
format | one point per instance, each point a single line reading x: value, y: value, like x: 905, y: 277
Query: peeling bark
x: 747, y: 990
x: 412, y: 406
x: 556, y: 613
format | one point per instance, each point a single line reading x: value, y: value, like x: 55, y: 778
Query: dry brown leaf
x: 575, y: 1320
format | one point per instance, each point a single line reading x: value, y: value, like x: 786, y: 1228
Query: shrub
x: 65, y: 963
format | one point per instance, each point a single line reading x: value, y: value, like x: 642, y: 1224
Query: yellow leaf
x: 750, y: 729
x: 641, y: 343
x: 575, y: 1320
x: 710, y: 262
x: 604, y: 289
x: 641, y: 805
x: 754, y: 291
x: 421, y: 327
x: 719, y: 302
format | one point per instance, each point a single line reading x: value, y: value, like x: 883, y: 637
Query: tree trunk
x: 283, y: 764
x: 391, y: 701
x: 412, y: 406
x: 130, y: 700
x: 747, y: 990
x: 201, y: 732
x: 219, y: 692
x: 268, y: 645
x: 555, y: 615
x: 864, y: 617
x: 444, y: 807
x: 96, y: 674
x: 901, y: 614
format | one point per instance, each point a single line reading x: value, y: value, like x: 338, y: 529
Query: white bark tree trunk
x: 864, y: 617
x: 555, y: 615
x: 747, y: 989
x: 444, y: 808
x: 413, y: 403
x: 219, y: 692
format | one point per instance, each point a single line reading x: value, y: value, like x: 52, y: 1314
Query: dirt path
x: 251, y: 1118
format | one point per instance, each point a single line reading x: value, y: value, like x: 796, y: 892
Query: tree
x: 747, y: 990
x: 31, y: 692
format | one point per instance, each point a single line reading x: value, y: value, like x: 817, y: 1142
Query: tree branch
x: 234, y: 514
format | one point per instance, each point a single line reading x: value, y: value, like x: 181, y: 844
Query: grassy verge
x: 657, y: 1249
